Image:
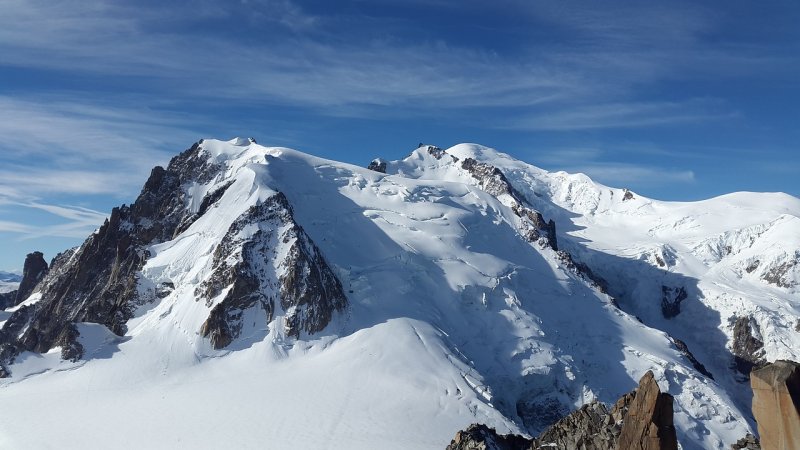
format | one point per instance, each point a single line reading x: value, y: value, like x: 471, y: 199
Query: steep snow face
x: 693, y: 269
x: 430, y: 296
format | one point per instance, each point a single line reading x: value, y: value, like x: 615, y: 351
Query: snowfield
x: 452, y: 316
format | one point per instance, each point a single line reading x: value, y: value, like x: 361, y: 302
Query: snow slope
x: 453, y: 317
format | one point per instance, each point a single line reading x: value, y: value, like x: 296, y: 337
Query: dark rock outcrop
x: 748, y: 442
x: 748, y: 350
x: 437, y: 152
x: 378, y: 165
x: 584, y: 271
x: 776, y: 404
x: 628, y: 195
x: 33, y: 272
x: 307, y: 290
x: 492, y: 180
x: 639, y: 420
x: 684, y: 349
x: 97, y: 281
x: 648, y: 423
x: 780, y: 275
x: 671, y: 299
x: 533, y: 226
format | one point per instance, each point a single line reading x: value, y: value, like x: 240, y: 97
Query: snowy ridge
x: 734, y: 257
x: 440, y: 300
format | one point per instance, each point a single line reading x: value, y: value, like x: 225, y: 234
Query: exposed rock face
x: 748, y: 442
x: 7, y: 299
x: 307, y: 290
x: 437, y: 152
x: 97, y: 281
x: 533, y: 226
x: 671, y: 298
x: 590, y: 427
x: 378, y: 165
x: 33, y: 272
x: 748, y: 349
x: 784, y: 274
x: 683, y: 348
x: 481, y: 437
x: 494, y: 182
x: 583, y: 270
x: 627, y: 196
x: 648, y: 423
x: 776, y: 404
x: 639, y: 420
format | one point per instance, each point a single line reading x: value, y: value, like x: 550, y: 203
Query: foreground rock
x: 480, y: 437
x: 639, y: 420
x: 590, y: 427
x: 776, y: 405
x: 748, y: 442
x: 648, y: 424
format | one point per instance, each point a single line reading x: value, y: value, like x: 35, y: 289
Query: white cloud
x: 65, y: 145
x: 595, y: 163
x: 13, y: 227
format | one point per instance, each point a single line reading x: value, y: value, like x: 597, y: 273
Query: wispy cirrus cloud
x: 78, y: 222
x: 619, y: 174
x: 623, y: 115
x: 357, y: 61
x: 300, y: 70
x: 53, y: 145
x: 600, y: 165
x: 56, y: 150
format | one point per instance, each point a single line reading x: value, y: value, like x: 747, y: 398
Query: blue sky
x: 674, y: 100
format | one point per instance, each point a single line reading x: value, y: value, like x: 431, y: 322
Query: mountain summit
x: 256, y: 296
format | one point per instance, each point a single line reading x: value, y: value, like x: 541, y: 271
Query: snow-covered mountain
x: 258, y: 296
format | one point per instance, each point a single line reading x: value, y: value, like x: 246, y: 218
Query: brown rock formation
x: 648, y: 423
x: 592, y: 427
x: 639, y: 420
x: 481, y: 437
x: 748, y: 442
x: 776, y: 405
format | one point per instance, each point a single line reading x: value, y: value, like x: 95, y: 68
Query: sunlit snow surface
x: 453, y: 318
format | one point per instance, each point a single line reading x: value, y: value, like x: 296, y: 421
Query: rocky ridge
x: 98, y: 282
x: 300, y: 283
x: 639, y: 420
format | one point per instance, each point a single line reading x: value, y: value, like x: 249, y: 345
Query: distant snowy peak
x: 212, y: 199
x: 737, y: 255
